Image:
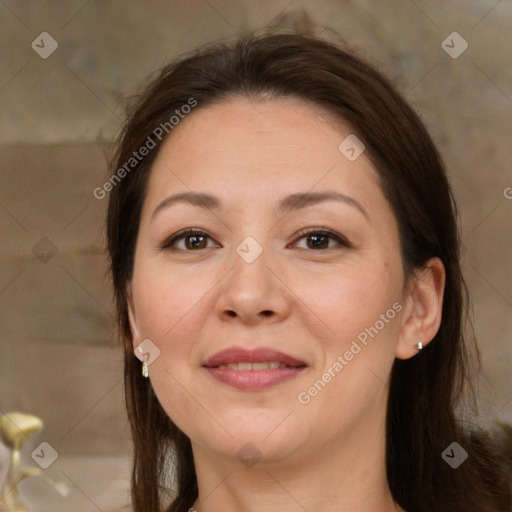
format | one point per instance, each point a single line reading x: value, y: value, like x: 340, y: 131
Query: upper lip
x: 258, y: 355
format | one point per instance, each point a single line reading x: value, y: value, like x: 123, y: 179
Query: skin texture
x: 195, y: 300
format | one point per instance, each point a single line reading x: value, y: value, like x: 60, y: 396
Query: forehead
x: 245, y: 124
x: 259, y: 145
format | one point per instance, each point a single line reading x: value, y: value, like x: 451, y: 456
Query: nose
x: 253, y: 291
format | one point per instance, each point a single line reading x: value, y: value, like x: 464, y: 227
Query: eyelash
x: 320, y: 230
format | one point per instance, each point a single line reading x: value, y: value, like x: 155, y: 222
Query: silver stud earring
x: 145, y: 371
x: 418, y: 346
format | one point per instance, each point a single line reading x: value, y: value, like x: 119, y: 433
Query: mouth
x: 238, y: 358
x: 264, y: 365
x: 253, y: 369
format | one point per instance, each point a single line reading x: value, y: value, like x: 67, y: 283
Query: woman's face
x: 263, y: 273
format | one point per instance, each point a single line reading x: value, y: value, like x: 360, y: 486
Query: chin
x: 250, y: 450
x: 267, y: 439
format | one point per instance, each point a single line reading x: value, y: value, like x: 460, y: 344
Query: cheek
x: 345, y: 302
x: 166, y: 300
x: 168, y: 306
x: 359, y: 311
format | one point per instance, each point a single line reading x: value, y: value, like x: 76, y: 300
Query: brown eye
x: 193, y: 240
x: 319, y: 240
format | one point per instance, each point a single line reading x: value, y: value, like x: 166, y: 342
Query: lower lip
x: 254, y: 379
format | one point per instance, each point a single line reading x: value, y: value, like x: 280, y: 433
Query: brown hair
x: 424, y: 390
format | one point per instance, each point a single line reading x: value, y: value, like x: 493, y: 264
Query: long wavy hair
x: 426, y: 392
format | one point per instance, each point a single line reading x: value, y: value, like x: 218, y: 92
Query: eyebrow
x: 287, y: 204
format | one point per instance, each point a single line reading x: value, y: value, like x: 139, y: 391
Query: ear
x: 132, y: 317
x: 423, y: 313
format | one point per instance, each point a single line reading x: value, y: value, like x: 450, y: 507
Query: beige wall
x: 58, y: 357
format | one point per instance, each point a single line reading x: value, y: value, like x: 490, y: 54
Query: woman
x: 284, y: 252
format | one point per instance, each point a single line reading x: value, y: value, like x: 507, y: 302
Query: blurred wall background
x: 61, y: 105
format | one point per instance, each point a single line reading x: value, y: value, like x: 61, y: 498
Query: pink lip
x: 252, y: 379
x: 258, y: 355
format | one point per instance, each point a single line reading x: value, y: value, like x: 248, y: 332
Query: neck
x: 345, y: 477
